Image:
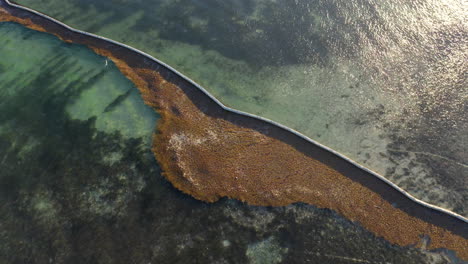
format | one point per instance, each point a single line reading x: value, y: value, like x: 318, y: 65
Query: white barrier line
x: 385, y: 180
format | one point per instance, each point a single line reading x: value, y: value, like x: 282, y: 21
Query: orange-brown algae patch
x: 210, y: 157
x: 210, y: 153
x: 6, y: 17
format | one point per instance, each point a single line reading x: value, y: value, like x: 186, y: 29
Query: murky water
x: 78, y: 186
x: 383, y: 82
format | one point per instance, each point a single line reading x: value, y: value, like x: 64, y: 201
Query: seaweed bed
x: 210, y: 153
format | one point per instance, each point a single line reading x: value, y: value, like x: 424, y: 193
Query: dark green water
x: 383, y: 82
x: 78, y: 183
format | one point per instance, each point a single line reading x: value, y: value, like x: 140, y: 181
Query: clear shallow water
x: 74, y: 191
x: 383, y: 82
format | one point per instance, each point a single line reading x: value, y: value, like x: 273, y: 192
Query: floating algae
x: 345, y: 73
x: 210, y: 153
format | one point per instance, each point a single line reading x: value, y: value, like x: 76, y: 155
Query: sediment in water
x: 209, y: 153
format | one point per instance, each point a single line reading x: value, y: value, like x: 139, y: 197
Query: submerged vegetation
x: 345, y: 73
x: 204, y: 151
x: 71, y: 193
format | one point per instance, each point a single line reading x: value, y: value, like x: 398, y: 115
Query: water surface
x: 79, y: 184
x: 383, y: 82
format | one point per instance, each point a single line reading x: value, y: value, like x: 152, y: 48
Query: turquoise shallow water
x: 380, y: 81
x: 95, y: 83
x: 78, y: 186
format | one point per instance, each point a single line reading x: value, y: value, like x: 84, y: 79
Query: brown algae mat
x: 210, y: 153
